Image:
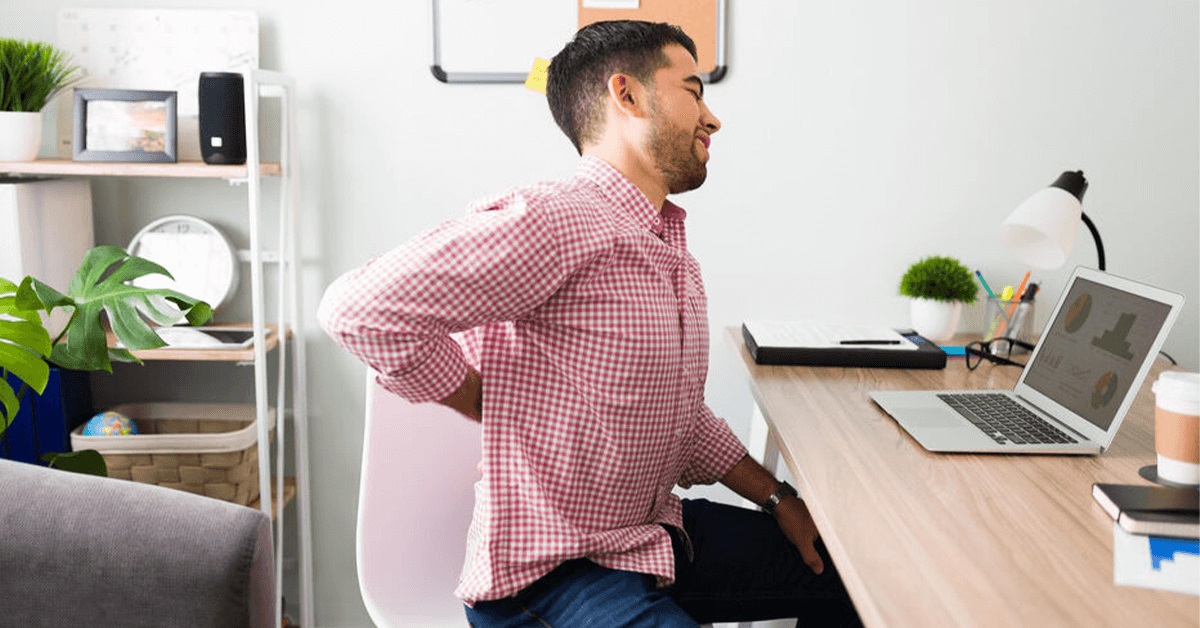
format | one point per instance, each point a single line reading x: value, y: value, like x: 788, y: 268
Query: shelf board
x: 289, y: 493
x: 206, y: 355
x: 182, y: 169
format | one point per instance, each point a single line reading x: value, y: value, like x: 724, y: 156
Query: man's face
x: 681, y: 122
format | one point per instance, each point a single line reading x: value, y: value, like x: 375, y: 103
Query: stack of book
x: 1152, y: 510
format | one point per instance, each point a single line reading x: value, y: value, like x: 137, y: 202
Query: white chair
x: 415, y: 500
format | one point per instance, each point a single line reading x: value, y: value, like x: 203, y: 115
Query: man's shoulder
x: 569, y: 200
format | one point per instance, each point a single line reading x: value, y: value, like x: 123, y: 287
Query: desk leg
x: 763, y: 446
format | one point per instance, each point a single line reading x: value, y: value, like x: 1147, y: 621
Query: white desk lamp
x: 1041, y: 231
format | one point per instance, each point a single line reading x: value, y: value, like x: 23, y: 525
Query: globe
x: 109, y: 423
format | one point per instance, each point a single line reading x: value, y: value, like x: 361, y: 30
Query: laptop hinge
x: 1051, y: 418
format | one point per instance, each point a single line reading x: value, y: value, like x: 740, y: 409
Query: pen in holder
x: 1008, y: 319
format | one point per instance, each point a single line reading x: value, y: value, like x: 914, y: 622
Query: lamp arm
x: 1096, y: 235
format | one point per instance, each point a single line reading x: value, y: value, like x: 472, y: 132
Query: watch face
x: 201, y: 260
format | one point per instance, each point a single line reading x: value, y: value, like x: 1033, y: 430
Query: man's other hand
x: 797, y: 524
x: 468, y: 399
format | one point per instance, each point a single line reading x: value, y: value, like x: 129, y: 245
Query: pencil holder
x: 1008, y: 319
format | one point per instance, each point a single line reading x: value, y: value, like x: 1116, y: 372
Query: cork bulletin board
x: 495, y: 41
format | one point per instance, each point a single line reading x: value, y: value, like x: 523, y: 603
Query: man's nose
x: 710, y: 121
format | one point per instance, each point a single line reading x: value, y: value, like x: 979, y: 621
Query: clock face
x: 201, y: 260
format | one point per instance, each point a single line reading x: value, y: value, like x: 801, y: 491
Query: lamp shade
x: 1041, y: 231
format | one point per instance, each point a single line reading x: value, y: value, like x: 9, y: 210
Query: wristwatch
x: 784, y: 490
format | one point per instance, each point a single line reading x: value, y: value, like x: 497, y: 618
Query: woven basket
x: 203, y: 448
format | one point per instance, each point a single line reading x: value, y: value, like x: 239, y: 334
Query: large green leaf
x: 24, y: 343
x: 99, y: 290
x: 88, y: 461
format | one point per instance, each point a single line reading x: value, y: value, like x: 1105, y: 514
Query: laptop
x: 1081, y: 378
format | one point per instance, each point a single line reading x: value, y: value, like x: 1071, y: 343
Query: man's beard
x: 675, y: 155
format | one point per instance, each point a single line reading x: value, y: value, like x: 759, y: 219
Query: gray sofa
x: 90, y: 551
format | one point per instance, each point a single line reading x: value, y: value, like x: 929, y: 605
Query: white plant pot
x: 936, y: 320
x: 20, y: 135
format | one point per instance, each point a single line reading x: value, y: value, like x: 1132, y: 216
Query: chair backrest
x: 415, y: 501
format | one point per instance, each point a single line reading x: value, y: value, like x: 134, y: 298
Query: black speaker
x: 222, y: 118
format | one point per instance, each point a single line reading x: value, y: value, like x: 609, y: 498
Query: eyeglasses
x: 997, y: 350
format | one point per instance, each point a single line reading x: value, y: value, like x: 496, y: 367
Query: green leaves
x: 24, y: 343
x: 31, y: 73
x: 88, y: 461
x: 98, y: 288
x: 939, y: 278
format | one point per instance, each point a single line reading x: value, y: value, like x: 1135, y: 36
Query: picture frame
x: 125, y: 125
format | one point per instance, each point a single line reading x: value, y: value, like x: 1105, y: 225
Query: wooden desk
x: 924, y: 539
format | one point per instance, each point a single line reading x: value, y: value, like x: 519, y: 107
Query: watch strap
x: 784, y: 490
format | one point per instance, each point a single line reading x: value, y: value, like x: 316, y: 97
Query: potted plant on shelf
x: 938, y: 287
x: 31, y: 74
x: 97, y: 291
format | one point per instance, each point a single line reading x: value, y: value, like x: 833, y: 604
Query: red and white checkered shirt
x: 585, y: 314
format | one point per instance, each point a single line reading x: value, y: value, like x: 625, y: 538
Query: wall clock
x: 201, y: 259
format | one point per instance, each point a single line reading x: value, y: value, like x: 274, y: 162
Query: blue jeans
x: 743, y: 569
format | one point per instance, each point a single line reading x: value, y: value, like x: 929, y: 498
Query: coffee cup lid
x: 1178, y: 384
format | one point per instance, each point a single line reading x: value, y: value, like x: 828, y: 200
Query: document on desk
x: 1154, y: 562
x: 814, y: 343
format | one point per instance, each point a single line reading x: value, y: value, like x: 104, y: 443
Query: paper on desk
x: 1154, y: 562
x: 817, y: 335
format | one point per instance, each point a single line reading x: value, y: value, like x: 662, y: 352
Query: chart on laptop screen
x: 1094, y: 349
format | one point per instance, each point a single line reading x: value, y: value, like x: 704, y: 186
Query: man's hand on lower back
x: 468, y: 399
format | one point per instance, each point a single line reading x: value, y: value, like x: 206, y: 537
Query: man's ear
x: 628, y: 95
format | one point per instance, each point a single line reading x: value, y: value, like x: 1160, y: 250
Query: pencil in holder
x: 1008, y: 319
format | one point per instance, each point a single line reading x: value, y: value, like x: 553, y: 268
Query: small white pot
x: 20, y: 135
x: 936, y: 320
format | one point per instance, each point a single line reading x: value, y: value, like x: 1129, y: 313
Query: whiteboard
x: 497, y: 41
x: 155, y: 49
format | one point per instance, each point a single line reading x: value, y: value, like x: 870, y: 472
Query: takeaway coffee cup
x: 1177, y: 427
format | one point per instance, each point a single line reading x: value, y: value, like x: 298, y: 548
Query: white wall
x: 858, y: 137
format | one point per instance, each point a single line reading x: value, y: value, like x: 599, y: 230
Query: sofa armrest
x: 86, y: 550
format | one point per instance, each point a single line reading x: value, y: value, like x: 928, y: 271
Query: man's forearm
x: 750, y: 480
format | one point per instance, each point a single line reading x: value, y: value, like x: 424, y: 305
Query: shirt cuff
x: 433, y: 379
x: 717, y: 450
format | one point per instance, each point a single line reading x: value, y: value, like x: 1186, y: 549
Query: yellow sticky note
x: 538, y: 75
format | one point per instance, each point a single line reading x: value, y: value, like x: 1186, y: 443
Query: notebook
x: 1158, y: 510
x: 1089, y: 363
x: 813, y: 343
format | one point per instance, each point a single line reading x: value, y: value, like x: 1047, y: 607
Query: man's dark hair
x: 576, y: 85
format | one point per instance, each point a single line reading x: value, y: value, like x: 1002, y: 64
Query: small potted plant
x: 31, y: 74
x: 938, y: 287
x: 99, y: 290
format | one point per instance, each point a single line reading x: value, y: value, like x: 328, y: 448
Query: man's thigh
x: 582, y: 593
x: 745, y: 569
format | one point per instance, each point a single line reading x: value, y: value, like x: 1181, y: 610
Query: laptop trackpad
x: 931, y: 417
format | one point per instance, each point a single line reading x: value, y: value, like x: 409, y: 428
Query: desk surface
x: 924, y: 539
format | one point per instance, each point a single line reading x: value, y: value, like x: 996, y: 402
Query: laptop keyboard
x: 1004, y: 420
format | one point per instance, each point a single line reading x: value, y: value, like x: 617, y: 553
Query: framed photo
x: 125, y: 125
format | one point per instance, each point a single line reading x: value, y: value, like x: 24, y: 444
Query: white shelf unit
x: 259, y: 84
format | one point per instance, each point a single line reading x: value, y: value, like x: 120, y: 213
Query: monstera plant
x: 98, y: 291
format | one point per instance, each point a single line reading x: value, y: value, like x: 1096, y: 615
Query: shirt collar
x: 622, y: 193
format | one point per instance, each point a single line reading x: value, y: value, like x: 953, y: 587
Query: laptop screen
x: 1093, y: 350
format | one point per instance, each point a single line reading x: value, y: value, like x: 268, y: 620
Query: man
x: 580, y: 343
